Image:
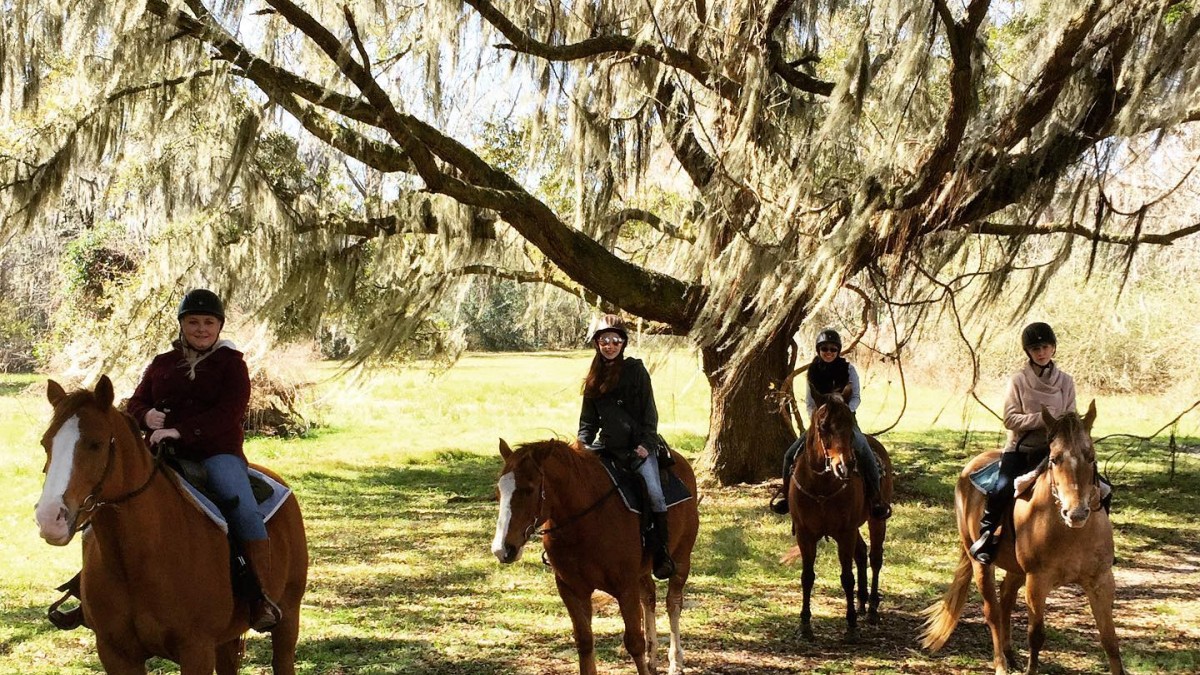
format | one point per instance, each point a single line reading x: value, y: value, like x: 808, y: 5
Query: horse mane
x: 71, y: 404
x: 552, y: 446
x: 67, y: 407
x: 1070, y: 425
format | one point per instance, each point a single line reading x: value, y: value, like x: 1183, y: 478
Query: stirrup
x: 984, y: 548
x: 779, y: 504
x: 881, y: 511
x: 268, y: 616
x: 664, y: 568
x: 65, y: 619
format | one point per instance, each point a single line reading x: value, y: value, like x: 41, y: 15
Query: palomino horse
x: 1062, y: 537
x: 593, y: 543
x: 156, y: 573
x: 827, y: 499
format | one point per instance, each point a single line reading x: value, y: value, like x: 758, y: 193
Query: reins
x: 570, y: 520
x: 93, y: 502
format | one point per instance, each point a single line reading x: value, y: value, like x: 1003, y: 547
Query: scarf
x: 192, y: 357
x: 826, y: 378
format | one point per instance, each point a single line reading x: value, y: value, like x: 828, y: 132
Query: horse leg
x: 283, y: 641
x: 985, y: 579
x: 1036, y: 591
x: 117, y: 661
x: 197, y: 659
x: 808, y: 556
x: 579, y: 607
x: 229, y: 656
x: 1100, y: 597
x: 650, y: 629
x: 878, y: 531
x: 1008, y: 600
x: 630, y: 603
x: 846, y: 553
x: 860, y: 563
x: 674, y: 609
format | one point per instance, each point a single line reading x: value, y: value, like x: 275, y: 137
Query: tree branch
x: 691, y: 64
x: 1077, y: 230
x: 618, y: 219
x: 961, y: 39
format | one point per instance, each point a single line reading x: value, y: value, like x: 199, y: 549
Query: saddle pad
x: 674, y: 491
x: 984, y: 479
x: 266, y: 509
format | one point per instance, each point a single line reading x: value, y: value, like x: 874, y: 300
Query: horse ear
x: 1048, y: 419
x: 1090, y: 416
x: 54, y: 392
x: 104, y: 392
x: 505, y: 451
x: 847, y: 392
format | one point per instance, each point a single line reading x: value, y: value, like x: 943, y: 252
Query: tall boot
x: 780, y: 503
x: 67, y: 619
x: 880, y: 510
x: 264, y: 613
x: 664, y: 566
x: 984, y: 548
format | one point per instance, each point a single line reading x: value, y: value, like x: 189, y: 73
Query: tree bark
x: 749, y: 429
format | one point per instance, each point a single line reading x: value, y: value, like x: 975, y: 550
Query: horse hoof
x: 806, y: 632
x: 851, y: 636
x: 873, y: 618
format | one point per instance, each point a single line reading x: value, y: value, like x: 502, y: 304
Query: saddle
x: 984, y: 479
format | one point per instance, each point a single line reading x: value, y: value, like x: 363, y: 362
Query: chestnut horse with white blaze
x: 827, y: 498
x: 1062, y: 536
x: 593, y: 543
x: 156, y: 578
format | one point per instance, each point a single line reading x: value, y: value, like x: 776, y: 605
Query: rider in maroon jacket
x: 197, y: 395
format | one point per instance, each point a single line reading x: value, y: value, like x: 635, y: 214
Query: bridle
x: 1054, y: 492
x: 827, y: 467
x: 93, y: 502
x: 540, y: 516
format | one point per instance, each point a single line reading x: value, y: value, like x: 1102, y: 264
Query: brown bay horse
x: 593, y: 543
x: 826, y: 498
x: 156, y: 573
x: 1062, y: 536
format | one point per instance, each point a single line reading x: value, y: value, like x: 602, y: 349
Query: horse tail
x: 942, y: 616
x: 791, y: 556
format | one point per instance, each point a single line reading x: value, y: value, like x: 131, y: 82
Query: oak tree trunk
x: 749, y: 429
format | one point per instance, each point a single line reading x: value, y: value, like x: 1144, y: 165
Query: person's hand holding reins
x: 161, y: 434
x: 155, y: 418
x: 642, y: 452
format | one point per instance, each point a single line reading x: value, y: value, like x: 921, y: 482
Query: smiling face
x: 200, y: 330
x: 828, y: 351
x: 610, y: 344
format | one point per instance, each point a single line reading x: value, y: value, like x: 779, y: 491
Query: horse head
x: 1072, y: 464
x: 80, y: 443
x: 832, y: 430
x: 520, y: 494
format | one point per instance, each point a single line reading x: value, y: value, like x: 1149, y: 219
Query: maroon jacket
x: 209, y: 411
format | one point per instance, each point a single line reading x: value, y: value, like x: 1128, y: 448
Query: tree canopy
x: 718, y: 169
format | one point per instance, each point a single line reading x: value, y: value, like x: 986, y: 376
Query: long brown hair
x: 603, y: 375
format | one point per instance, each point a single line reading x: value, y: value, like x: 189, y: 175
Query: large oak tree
x: 773, y: 151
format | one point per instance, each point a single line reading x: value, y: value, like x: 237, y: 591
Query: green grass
x: 396, y: 489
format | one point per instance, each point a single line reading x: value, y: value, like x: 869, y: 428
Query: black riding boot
x: 664, y: 566
x: 779, y: 504
x: 67, y: 619
x: 984, y: 548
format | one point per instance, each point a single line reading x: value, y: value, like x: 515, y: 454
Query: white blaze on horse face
x: 508, y: 485
x: 51, y: 512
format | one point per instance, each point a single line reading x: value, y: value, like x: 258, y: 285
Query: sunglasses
x: 609, y: 341
x: 829, y: 350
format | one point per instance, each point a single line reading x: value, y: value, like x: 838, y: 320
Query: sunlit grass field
x: 396, y: 487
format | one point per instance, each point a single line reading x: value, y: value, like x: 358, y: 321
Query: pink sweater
x: 1027, y: 393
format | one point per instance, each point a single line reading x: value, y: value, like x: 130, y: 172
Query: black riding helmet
x: 609, y: 323
x: 1037, y: 333
x: 829, y: 336
x: 201, y: 301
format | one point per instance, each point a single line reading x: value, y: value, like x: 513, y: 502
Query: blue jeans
x: 649, y: 471
x: 227, y: 477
